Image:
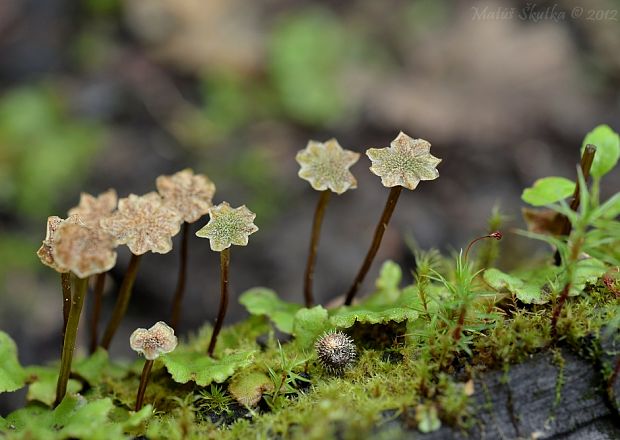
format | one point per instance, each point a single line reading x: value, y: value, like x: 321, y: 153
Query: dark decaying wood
x: 522, y: 405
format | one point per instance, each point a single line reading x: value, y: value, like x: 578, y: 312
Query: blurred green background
x: 112, y: 93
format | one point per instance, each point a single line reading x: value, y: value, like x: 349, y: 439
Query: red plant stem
x: 65, y: 284
x: 221, y: 314
x: 319, y: 213
x: 181, y: 280
x: 124, y: 295
x: 144, y: 380
x: 376, y: 241
x: 80, y: 288
x: 94, y: 319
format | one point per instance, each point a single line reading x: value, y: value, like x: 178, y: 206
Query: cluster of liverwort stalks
x: 83, y: 245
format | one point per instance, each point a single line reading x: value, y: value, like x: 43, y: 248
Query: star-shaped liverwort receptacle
x: 152, y: 343
x: 157, y: 340
x: 401, y: 165
x: 404, y: 163
x: 326, y: 166
x: 228, y: 226
x: 188, y: 193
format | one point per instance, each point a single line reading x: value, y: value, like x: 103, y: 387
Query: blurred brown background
x: 112, y: 93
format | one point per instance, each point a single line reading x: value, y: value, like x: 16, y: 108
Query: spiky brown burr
x: 336, y: 351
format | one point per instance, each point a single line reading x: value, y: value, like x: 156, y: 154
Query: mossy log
x: 553, y: 395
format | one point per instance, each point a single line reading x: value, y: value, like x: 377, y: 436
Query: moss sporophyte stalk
x: 401, y: 358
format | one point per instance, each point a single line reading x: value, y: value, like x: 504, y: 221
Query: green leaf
x: 346, y: 317
x: 607, y: 145
x: 388, y: 290
x: 73, y: 418
x: 12, y: 374
x: 588, y: 270
x: 610, y: 209
x: 43, y: 384
x: 309, y: 324
x: 528, y: 293
x: 95, y: 366
x: 202, y: 369
x: 548, y: 190
x: 263, y: 301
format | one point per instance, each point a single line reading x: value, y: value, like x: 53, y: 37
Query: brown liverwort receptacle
x: 227, y: 226
x: 191, y: 196
x: 47, y: 257
x: 144, y: 224
x: 85, y: 251
x: 157, y: 340
x: 92, y: 210
x: 403, y: 164
x: 326, y: 166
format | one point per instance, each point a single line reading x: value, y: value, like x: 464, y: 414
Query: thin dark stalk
x: 144, y: 380
x: 496, y: 235
x: 376, y: 241
x: 224, y: 265
x: 319, y: 213
x: 65, y: 283
x: 94, y: 319
x: 180, y: 290
x: 124, y: 295
x: 586, y: 165
x: 80, y: 288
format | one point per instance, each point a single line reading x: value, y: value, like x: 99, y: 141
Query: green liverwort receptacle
x: 227, y: 226
x: 403, y: 164
x: 326, y: 166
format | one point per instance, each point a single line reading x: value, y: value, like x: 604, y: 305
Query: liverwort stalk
x: 80, y: 288
x: 227, y: 226
x: 190, y: 195
x: 91, y: 210
x: 96, y: 312
x: 404, y: 163
x: 157, y: 340
x: 144, y: 224
x: 325, y: 165
x: 85, y: 251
